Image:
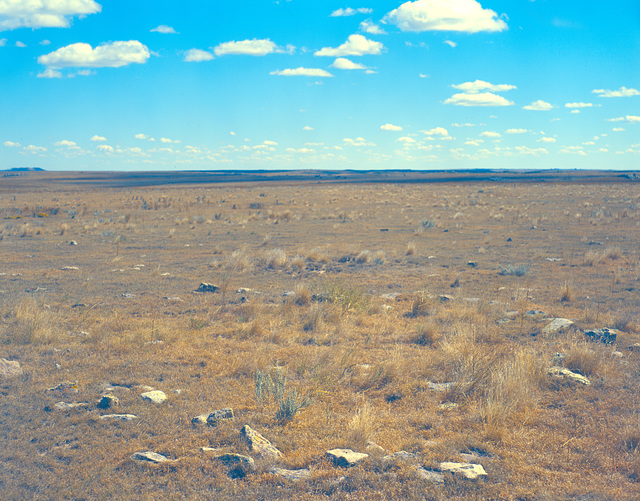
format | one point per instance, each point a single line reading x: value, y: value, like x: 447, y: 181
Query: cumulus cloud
x: 622, y: 92
x: 406, y: 140
x: 197, y: 56
x: 618, y: 129
x: 11, y: 144
x: 107, y: 55
x: 371, y: 28
x: 345, y: 64
x: 166, y: 140
x: 66, y: 143
x: 20, y: 44
x: 356, y: 45
x: 478, y: 99
x: 105, y: 148
x: 453, y: 15
x: 525, y: 150
x: 629, y: 118
x: 539, y: 105
x: 547, y: 140
x: 350, y: 12
x: 517, y: 131
x: 98, y: 138
x: 3, y: 42
x: 302, y: 72
x: 479, y: 86
x: 144, y: 137
x: 438, y: 131
x: 253, y: 47
x: 580, y: 105
x: 577, y: 150
x: 307, y: 127
x: 450, y: 43
x: 359, y: 141
x: 391, y: 127
x: 490, y: 133
x: 43, y: 13
x: 49, y: 73
x: 35, y: 149
x: 164, y: 29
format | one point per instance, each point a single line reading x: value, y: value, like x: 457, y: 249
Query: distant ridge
x: 23, y: 169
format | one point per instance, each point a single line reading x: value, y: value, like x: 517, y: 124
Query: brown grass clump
x: 582, y: 358
x: 28, y: 323
x: 426, y: 334
x: 411, y: 249
x: 361, y: 426
x: 275, y: 259
x: 566, y: 294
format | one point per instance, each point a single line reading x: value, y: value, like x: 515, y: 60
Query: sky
x: 307, y: 84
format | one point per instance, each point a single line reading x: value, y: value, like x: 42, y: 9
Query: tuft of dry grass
x: 275, y: 259
x: 361, y: 426
x: 566, y: 294
x: 582, y: 358
x: 411, y: 249
x: 29, y: 323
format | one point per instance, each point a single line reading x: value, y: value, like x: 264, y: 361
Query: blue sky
x: 302, y: 84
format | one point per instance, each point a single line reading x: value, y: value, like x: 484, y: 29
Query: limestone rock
x: 220, y: 415
x: 259, y: 444
x: 210, y: 449
x: 119, y: 417
x: 65, y: 387
x: 346, y: 457
x: 464, y: 470
x: 604, y: 335
x: 152, y: 457
x: 400, y: 456
x: 558, y: 324
x: 292, y: 475
x: 373, y: 448
x: 448, y: 406
x: 441, y: 386
x: 205, y: 287
x: 246, y: 462
x: 10, y: 368
x: 434, y: 477
x: 63, y: 406
x: 200, y: 419
x: 155, y: 396
x: 107, y: 401
x: 564, y: 373
x: 73, y: 242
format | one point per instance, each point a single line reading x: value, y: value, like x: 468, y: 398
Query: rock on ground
x: 205, y: 287
x: 259, y: 444
x: 430, y: 476
x: 464, y: 470
x: 10, y: 368
x: 64, y: 406
x: 152, y: 457
x: 346, y: 457
x: 604, y: 335
x: 293, y: 475
x: 557, y: 325
x: 119, y: 417
x: 155, y: 396
x: 107, y: 401
x: 564, y: 373
x: 220, y: 415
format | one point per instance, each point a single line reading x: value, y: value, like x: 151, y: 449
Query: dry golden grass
x: 366, y: 324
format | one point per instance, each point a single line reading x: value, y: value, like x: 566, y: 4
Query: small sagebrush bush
x: 566, y: 294
x: 428, y: 223
x: 583, y: 359
x: 361, y: 426
x: 275, y: 259
x: 426, y: 335
x: 27, y: 323
x: 345, y: 296
x: 515, y: 270
x: 419, y: 307
x: 411, y: 249
x: 273, y: 383
x: 365, y: 257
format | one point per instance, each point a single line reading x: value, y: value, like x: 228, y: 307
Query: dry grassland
x: 357, y: 297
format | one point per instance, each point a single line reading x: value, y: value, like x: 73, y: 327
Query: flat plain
x: 379, y: 314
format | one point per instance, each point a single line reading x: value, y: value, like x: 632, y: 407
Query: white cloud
x: 253, y: 47
x: 144, y: 137
x: 371, y: 28
x: 166, y: 140
x: 20, y: 44
x: 490, y: 133
x: 350, y: 12
x: 356, y: 45
x: 3, y: 42
x: 345, y: 64
x: 438, y: 131
x: 68, y: 144
x: 359, y: 141
x: 35, y: 149
x: 479, y: 99
x: 11, y: 144
x: 43, y: 13
x: 464, y: 125
x: 406, y: 140
x: 108, y: 55
x: 629, y: 118
x: 516, y: 131
x: 164, y: 29
x: 580, y: 105
x: 577, y: 150
x: 538, y: 105
x: 575, y: 111
x: 525, y: 150
x: 98, y: 138
x: 547, y: 140
x: 306, y: 127
x: 270, y: 143
x: 450, y: 43
x: 479, y: 86
x: 391, y: 127
x: 622, y: 92
x: 304, y: 72
x: 618, y: 129
x: 45, y: 42
x: 453, y: 15
x: 49, y: 73
x: 197, y: 56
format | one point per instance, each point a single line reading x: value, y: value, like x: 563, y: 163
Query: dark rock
x: 205, y: 287
x: 220, y: 415
x: 604, y: 335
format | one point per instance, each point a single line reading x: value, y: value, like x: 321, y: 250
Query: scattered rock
x: 63, y: 406
x: 634, y: 347
x: 107, y: 401
x: 155, y: 396
x: 152, y: 457
x: 201, y: 419
x: 442, y: 387
x: 434, y: 477
x: 400, y: 456
x: 444, y: 298
x: 373, y: 448
x: 558, y: 359
x: 210, y: 449
x: 242, y: 464
x: 65, y: 387
x: 465, y: 470
x: 557, y: 325
x: 155, y: 341
x: 205, y: 287
x: 604, y: 335
x: 533, y: 314
x: 126, y: 295
x: 617, y: 354
x: 174, y: 299
x: 243, y: 290
x: 564, y: 373
x: 69, y: 268
x: 119, y: 417
x: 390, y: 296
x: 448, y: 406
x: 258, y: 443
x: 346, y: 458
x: 473, y: 264
x: 73, y: 242
x: 10, y: 368
x: 220, y: 415
x: 292, y: 475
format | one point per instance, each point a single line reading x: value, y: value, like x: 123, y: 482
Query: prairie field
x: 375, y: 317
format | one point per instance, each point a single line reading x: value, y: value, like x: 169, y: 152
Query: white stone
x: 293, y: 475
x: 466, y: 470
x: 564, y: 373
x: 119, y: 417
x: 155, y: 396
x: 152, y: 457
x: 10, y: 368
x: 346, y: 457
x: 557, y: 325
